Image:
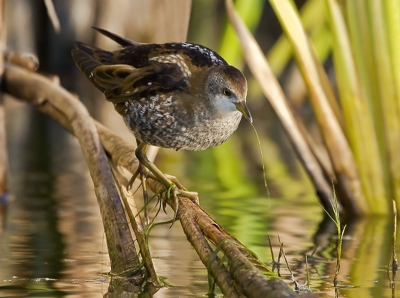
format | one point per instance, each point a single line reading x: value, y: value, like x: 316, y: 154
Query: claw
x: 173, y: 192
x: 132, y: 180
x: 182, y: 191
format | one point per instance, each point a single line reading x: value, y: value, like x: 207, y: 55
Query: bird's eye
x: 226, y: 92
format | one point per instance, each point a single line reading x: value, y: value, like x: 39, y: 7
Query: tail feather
x: 118, y: 39
x: 86, y: 64
x: 88, y: 58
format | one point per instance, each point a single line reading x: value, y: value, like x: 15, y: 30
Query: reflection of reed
x: 365, y: 249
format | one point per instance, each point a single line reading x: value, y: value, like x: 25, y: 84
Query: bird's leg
x: 168, y: 181
x: 143, y: 177
x: 145, y: 196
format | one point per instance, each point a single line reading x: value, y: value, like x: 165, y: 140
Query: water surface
x: 52, y: 242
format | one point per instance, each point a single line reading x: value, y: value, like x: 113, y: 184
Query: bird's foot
x: 176, y: 190
x: 182, y: 191
x: 141, y: 172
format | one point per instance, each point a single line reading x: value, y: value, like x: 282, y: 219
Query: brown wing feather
x: 135, y: 72
x: 121, y: 82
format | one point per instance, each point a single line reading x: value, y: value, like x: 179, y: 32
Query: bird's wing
x: 113, y: 78
x: 122, y: 83
x: 86, y: 62
x: 123, y: 80
x: 87, y: 58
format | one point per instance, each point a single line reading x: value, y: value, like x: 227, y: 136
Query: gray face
x: 226, y: 89
x: 227, y: 80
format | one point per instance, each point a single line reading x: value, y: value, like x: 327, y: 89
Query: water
x: 52, y: 242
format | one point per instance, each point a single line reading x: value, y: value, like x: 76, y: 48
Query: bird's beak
x: 242, y: 107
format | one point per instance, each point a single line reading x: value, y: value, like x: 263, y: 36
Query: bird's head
x: 226, y: 88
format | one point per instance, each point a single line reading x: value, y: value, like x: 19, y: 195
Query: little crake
x: 174, y: 95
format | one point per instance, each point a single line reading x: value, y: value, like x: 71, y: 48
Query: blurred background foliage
x: 356, y: 110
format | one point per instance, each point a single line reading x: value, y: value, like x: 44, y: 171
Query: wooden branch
x: 49, y: 96
x: 241, y: 277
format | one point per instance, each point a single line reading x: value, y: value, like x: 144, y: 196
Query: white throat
x: 225, y: 107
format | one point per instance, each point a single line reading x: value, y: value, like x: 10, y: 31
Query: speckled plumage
x: 174, y: 95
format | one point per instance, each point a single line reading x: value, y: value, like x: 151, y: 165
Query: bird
x: 177, y: 95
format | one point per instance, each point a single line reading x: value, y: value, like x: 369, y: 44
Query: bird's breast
x: 161, y: 121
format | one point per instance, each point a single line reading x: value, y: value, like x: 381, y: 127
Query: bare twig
x: 3, y: 147
x: 393, y: 265
x: 51, y: 12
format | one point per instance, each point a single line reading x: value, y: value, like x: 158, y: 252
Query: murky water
x: 52, y: 242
